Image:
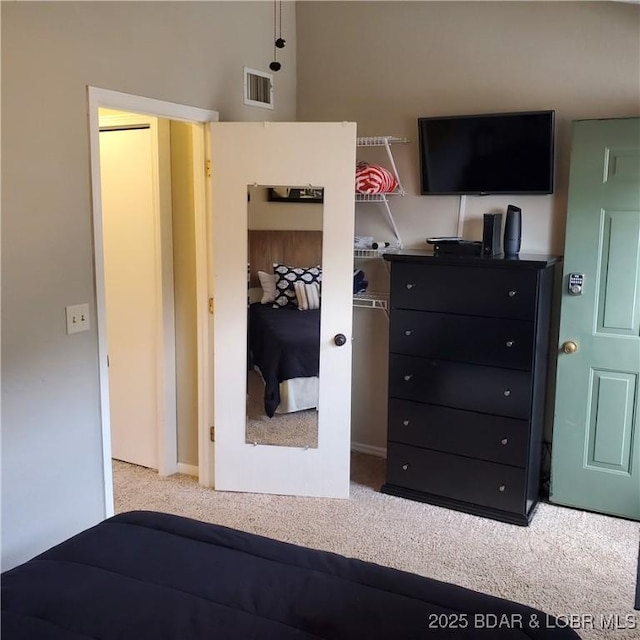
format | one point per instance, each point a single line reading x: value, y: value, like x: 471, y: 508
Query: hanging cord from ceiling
x: 278, y: 40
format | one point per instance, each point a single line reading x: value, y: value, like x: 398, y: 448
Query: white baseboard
x: 188, y: 469
x: 379, y: 452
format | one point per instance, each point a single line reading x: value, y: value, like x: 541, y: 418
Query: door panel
x: 618, y: 310
x: 596, y: 445
x: 610, y: 426
x: 295, y: 154
x: 130, y: 261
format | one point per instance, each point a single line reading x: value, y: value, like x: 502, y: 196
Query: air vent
x: 258, y: 88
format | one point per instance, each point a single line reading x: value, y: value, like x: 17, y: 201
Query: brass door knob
x: 569, y: 346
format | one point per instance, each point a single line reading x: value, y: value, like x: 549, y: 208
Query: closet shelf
x: 377, y: 197
x: 370, y: 253
x: 383, y: 198
x: 371, y: 300
x: 378, y: 141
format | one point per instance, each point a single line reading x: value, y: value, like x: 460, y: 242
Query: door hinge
x: 212, y: 434
x: 207, y: 168
x: 210, y: 305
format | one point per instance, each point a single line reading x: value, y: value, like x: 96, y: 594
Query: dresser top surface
x: 521, y: 261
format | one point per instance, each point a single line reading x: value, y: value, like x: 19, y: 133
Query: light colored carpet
x: 567, y: 562
x: 298, y: 429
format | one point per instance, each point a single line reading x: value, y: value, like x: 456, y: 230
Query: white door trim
x: 98, y: 98
x: 204, y: 279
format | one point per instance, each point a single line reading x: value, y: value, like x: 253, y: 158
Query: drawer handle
x: 408, y: 377
x: 502, y: 487
x: 410, y: 285
x: 513, y: 293
x: 509, y: 343
x: 408, y: 332
x: 405, y: 467
x: 504, y: 441
x: 405, y: 423
x: 507, y: 393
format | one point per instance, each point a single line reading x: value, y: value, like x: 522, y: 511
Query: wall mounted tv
x: 498, y: 153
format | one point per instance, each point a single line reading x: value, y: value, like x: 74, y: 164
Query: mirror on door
x: 283, y: 341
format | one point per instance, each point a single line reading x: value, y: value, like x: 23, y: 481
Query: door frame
x: 167, y: 462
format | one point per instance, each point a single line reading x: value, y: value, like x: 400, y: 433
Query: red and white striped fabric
x: 371, y: 178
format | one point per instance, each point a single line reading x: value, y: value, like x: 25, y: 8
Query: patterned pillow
x: 308, y: 295
x: 286, y: 277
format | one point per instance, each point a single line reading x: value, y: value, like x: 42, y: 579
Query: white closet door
x: 130, y: 259
x: 297, y: 154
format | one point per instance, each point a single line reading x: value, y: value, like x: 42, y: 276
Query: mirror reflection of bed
x: 283, y: 322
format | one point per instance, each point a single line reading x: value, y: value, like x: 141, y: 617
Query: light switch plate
x: 77, y: 318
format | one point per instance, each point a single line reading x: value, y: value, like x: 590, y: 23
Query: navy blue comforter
x: 150, y: 575
x: 284, y: 344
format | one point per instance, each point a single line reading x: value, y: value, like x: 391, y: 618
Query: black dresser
x: 469, y: 344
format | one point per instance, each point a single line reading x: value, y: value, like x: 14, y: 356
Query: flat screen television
x: 483, y: 154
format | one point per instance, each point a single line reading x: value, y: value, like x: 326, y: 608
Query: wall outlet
x: 77, y: 318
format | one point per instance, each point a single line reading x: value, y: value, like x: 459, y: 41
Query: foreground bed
x: 152, y: 575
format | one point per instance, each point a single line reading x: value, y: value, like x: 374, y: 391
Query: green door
x: 595, y: 461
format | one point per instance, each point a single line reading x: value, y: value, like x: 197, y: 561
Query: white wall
x: 185, y: 52
x: 384, y: 64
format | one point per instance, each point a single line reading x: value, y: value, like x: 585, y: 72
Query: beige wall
x: 384, y: 64
x: 263, y: 214
x: 185, y: 52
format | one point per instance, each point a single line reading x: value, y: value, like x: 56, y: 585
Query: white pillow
x: 307, y: 295
x: 255, y: 294
x: 268, y: 284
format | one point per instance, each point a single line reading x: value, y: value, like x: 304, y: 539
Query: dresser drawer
x: 482, y: 291
x: 477, y: 435
x: 503, y: 392
x: 475, y: 481
x: 500, y: 342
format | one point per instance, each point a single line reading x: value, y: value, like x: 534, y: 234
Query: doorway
x: 139, y: 303
x: 167, y: 446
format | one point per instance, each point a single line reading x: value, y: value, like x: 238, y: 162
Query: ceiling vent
x: 258, y: 88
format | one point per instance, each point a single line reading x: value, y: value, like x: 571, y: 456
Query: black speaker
x: 513, y: 231
x: 492, y: 234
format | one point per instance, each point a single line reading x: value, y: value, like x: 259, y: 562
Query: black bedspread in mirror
x: 284, y: 343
